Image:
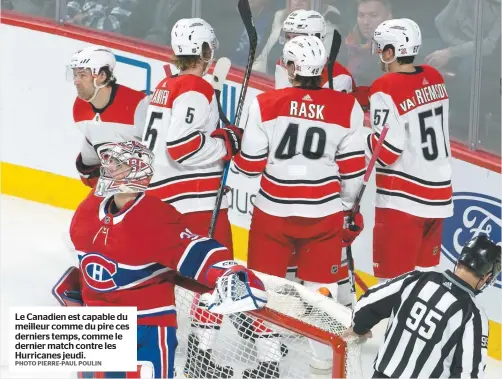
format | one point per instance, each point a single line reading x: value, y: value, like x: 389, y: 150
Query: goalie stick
x: 247, y: 19
x: 333, y: 53
x: 355, y: 207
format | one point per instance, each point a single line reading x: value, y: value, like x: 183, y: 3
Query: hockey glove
x: 88, y: 174
x: 67, y: 289
x: 237, y: 289
x: 352, y: 230
x: 232, y: 135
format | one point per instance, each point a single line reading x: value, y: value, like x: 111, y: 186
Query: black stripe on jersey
x: 368, y: 142
x: 183, y: 139
x: 298, y: 201
x: 352, y: 154
x: 254, y: 157
x: 413, y: 198
x: 191, y: 196
x: 203, y: 141
x: 247, y: 173
x: 352, y: 176
x: 185, y: 177
x: 388, y: 145
x: 413, y: 178
x: 477, y: 337
x: 316, y: 181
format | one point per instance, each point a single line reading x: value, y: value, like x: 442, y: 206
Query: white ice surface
x: 34, y: 254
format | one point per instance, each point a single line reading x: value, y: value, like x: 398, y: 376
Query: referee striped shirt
x: 436, y: 327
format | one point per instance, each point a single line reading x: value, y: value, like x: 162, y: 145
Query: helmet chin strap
x: 96, y: 90
x: 387, y: 63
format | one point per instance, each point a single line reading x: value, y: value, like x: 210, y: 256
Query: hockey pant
x: 156, y: 350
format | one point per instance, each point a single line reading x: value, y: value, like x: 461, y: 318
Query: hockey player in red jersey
x: 307, y: 142
x: 413, y: 174
x: 104, y: 111
x: 127, y: 242
x: 312, y: 23
x: 182, y: 131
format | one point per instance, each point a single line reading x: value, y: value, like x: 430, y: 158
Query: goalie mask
x: 126, y: 167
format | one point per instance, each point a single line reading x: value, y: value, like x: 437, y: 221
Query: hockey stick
x: 220, y: 72
x: 333, y: 53
x: 247, y: 19
x: 355, y: 207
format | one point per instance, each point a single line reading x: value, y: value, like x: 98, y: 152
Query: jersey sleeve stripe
x: 185, y: 147
x: 196, y: 256
x: 168, y: 191
x: 253, y: 157
x: 388, y: 154
x: 351, y: 164
x: 250, y: 165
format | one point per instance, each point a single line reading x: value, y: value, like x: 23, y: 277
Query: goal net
x: 295, y: 316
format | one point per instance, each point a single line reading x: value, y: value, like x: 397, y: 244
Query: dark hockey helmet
x: 482, y: 256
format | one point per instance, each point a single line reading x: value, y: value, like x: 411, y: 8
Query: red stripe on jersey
x: 395, y: 183
x: 351, y: 164
x: 334, y: 107
x: 300, y: 191
x: 178, y: 85
x: 192, y: 186
x: 183, y: 147
x: 163, y: 350
x: 386, y: 155
x: 250, y: 166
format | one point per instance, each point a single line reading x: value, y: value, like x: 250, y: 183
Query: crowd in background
x: 448, y: 29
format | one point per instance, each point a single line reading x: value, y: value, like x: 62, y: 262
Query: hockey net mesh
x: 295, y: 315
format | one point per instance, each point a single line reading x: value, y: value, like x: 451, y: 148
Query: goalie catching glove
x: 236, y: 289
x: 232, y: 135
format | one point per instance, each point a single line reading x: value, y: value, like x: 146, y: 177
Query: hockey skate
x: 264, y: 370
x: 200, y: 363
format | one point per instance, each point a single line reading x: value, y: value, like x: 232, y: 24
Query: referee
x: 436, y: 328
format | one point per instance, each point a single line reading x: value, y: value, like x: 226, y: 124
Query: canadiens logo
x: 98, y: 272
x: 475, y: 214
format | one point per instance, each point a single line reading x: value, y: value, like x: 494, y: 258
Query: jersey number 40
x: 288, y: 145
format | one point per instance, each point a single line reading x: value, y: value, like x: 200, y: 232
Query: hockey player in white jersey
x: 413, y: 174
x: 182, y: 131
x: 307, y: 142
x: 311, y: 23
x: 104, y: 111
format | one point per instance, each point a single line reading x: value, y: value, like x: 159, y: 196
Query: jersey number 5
x: 151, y: 132
x: 287, y: 145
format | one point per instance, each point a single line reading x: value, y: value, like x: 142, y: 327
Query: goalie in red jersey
x: 127, y: 242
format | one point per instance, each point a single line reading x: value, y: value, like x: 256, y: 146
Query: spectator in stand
x: 266, y: 60
x: 44, y: 8
x: 167, y: 13
x: 356, y: 53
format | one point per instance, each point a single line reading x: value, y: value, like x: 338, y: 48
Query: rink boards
x: 39, y: 143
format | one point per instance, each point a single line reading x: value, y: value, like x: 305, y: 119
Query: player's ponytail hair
x: 185, y: 62
x: 110, y: 78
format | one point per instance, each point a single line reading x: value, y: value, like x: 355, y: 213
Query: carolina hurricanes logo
x: 98, y: 272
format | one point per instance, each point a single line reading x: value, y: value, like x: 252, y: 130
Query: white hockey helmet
x: 307, y: 53
x: 126, y: 167
x: 303, y: 22
x: 93, y: 58
x: 189, y: 34
x: 403, y: 34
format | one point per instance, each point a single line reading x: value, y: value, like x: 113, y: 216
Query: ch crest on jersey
x: 98, y: 272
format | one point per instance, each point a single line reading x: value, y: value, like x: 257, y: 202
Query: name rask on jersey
x: 425, y: 95
x: 309, y: 111
x: 160, y: 97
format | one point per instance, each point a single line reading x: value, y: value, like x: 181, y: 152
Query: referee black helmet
x: 482, y: 257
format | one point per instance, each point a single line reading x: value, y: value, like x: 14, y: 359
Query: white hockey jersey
x: 121, y: 120
x: 183, y: 112
x: 310, y: 147
x: 342, y: 79
x: 413, y: 173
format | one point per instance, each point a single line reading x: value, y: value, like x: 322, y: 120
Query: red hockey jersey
x: 121, y: 120
x: 311, y: 147
x: 125, y: 257
x: 414, y: 170
x: 342, y: 79
x: 183, y: 112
